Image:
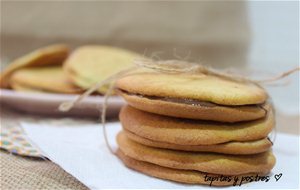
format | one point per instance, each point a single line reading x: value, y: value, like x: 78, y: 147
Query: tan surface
x: 199, y: 87
x: 43, y: 79
x: 205, y: 162
x: 183, y: 176
x: 249, y: 147
x: 189, y: 27
x: 212, y: 112
x: 188, y: 132
x: 49, y: 55
x: 25, y: 173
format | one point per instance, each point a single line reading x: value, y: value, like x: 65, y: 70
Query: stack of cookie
x: 57, y: 69
x: 197, y: 128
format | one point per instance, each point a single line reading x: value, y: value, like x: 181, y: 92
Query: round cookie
x: 22, y: 88
x: 249, y: 147
x: 204, y: 162
x: 193, y: 96
x: 191, y: 110
x: 88, y: 65
x: 182, y: 176
x: 50, y: 55
x: 43, y: 79
x: 192, y: 132
x: 199, y: 87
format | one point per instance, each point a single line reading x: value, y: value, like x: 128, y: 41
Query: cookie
x: 204, y: 162
x: 248, y: 147
x: 50, y: 55
x: 22, y: 88
x: 199, y: 96
x: 184, y: 176
x: 43, y: 79
x: 198, y: 87
x: 192, y: 132
x: 89, y: 65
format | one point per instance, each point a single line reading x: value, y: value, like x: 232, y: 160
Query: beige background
x: 214, y: 32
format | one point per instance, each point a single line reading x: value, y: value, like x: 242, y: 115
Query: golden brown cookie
x: 192, y: 109
x: 199, y: 96
x: 22, y: 88
x: 248, y: 147
x: 50, y: 55
x: 89, y: 65
x: 192, y: 132
x: 204, y: 162
x: 43, y: 79
x: 185, y: 176
x: 198, y: 87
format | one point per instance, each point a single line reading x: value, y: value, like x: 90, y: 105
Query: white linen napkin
x: 81, y: 151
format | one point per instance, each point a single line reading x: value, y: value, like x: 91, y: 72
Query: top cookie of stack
x: 200, y: 96
x: 183, y: 127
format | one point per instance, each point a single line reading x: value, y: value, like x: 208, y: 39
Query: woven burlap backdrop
x: 20, y: 172
x: 27, y: 173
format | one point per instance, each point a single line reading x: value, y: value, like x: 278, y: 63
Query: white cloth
x: 81, y: 151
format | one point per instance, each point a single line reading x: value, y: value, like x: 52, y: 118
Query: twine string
x: 280, y: 76
x: 103, y: 116
x: 168, y: 67
x: 67, y: 106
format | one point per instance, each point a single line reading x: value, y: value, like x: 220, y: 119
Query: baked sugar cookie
x: 89, y: 65
x: 198, y: 87
x: 191, y: 109
x: 43, y: 79
x: 21, y: 88
x: 199, y: 96
x: 204, y: 162
x: 192, y: 132
x: 50, y: 55
x: 248, y: 147
x: 185, y: 176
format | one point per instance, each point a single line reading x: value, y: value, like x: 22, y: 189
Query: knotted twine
x: 176, y: 67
